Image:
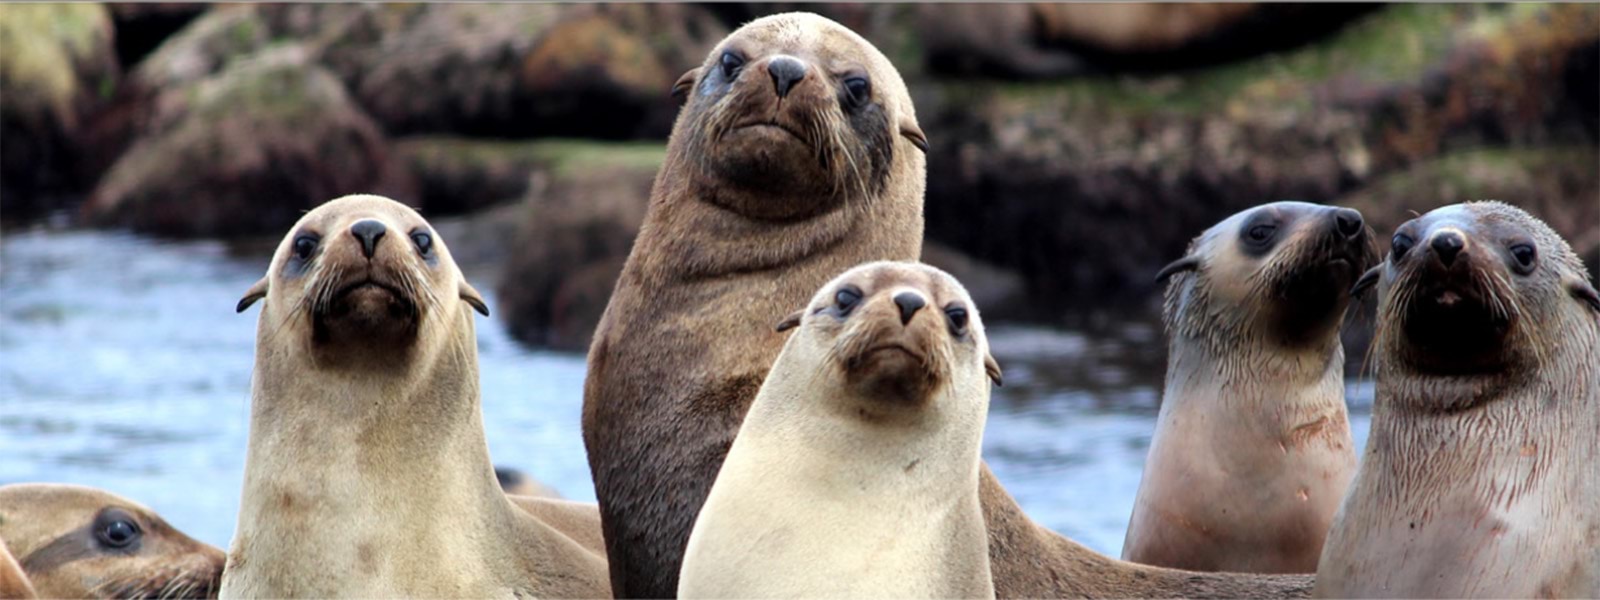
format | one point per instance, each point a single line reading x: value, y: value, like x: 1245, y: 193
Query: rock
x: 245, y: 152
x: 58, y: 66
x: 460, y: 175
x: 997, y: 292
x: 142, y: 26
x: 1086, y: 187
x: 578, y: 223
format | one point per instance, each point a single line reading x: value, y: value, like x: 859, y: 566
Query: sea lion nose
x: 786, y: 71
x: 1348, y: 221
x: 369, y: 231
x: 1447, y: 244
x: 909, y: 303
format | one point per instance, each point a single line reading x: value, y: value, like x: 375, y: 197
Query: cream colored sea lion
x: 368, y: 474
x: 1481, y: 476
x: 79, y: 542
x: 796, y: 156
x: 1252, y: 451
x: 14, y: 584
x: 855, y: 473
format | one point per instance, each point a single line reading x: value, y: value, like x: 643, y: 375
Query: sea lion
x: 14, y: 584
x: 80, y: 542
x: 368, y: 474
x: 796, y: 156
x: 1252, y: 450
x: 1481, y: 476
x: 855, y: 473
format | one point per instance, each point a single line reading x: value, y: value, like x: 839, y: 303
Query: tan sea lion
x: 80, y: 542
x: 368, y: 474
x: 855, y: 473
x: 14, y: 584
x: 796, y: 156
x: 1252, y: 450
x: 1481, y: 476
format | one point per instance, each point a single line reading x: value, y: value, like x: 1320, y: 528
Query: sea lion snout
x: 368, y: 232
x: 909, y: 303
x: 1347, y: 221
x: 785, y: 71
x: 1447, y: 244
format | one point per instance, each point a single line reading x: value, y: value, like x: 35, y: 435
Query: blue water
x: 123, y: 366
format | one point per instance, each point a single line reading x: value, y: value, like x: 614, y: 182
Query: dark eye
x: 1526, y: 256
x: 117, y: 532
x: 958, y: 318
x: 305, y: 246
x: 858, y: 90
x: 730, y: 64
x: 1399, y: 245
x: 424, y: 242
x: 1261, y: 233
x: 846, y: 298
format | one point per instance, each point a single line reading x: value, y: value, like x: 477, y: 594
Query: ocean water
x: 123, y: 366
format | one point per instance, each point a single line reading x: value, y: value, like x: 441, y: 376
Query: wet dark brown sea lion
x: 1481, y: 477
x: 1252, y: 451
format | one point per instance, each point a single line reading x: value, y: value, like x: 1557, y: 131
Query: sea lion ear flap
x: 909, y: 129
x: 1187, y: 263
x: 1367, y: 280
x: 471, y: 296
x: 256, y: 292
x: 792, y: 321
x: 685, y: 82
x: 1580, y: 289
x: 992, y: 368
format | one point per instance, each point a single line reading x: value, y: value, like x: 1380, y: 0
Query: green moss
x: 562, y: 156
x: 41, y: 46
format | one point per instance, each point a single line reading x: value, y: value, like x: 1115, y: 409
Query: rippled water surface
x: 124, y: 366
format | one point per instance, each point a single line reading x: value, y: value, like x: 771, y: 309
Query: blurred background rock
x: 1074, y: 148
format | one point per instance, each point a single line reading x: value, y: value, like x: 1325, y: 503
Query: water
x: 123, y: 366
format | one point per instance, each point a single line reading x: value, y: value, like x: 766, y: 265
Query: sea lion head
x: 793, y: 115
x: 358, y: 278
x: 894, y: 335
x: 80, y: 542
x: 1477, y: 289
x: 1279, y: 272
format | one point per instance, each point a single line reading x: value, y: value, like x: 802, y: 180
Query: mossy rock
x: 58, y: 66
x: 460, y: 175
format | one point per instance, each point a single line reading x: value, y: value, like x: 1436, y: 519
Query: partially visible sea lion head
x: 357, y: 278
x: 1481, y: 288
x: 1279, y: 272
x: 793, y: 115
x: 80, y: 542
x: 895, y: 334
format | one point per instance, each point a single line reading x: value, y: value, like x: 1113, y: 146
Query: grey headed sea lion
x: 1252, y: 450
x: 855, y: 473
x: 80, y: 542
x: 795, y: 156
x: 1481, y: 476
x: 367, y: 473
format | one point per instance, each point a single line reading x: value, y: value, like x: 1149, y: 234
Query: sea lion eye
x: 305, y: 246
x: 117, y: 531
x: 846, y: 298
x: 1399, y: 245
x: 858, y: 90
x: 958, y: 318
x: 730, y: 63
x: 1527, y: 256
x: 424, y: 242
x: 1261, y: 233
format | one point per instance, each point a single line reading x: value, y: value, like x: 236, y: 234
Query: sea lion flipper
x: 681, y: 87
x: 1581, y: 290
x: 256, y: 292
x: 911, y: 131
x: 992, y: 367
x: 471, y: 295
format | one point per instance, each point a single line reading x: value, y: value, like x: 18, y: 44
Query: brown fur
x: 52, y: 528
x: 726, y: 250
x: 1252, y: 450
x: 368, y: 474
x: 1480, y: 477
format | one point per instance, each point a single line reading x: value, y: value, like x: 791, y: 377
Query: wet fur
x: 368, y: 473
x: 1480, y: 482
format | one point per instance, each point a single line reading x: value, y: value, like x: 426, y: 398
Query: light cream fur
x: 368, y: 474
x: 53, y: 529
x: 1482, y: 482
x: 1252, y: 450
x: 834, y: 488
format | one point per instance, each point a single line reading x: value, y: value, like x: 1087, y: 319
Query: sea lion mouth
x: 1452, y: 323
x: 366, y: 308
x: 166, y: 583
x: 773, y: 130
x: 896, y: 370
